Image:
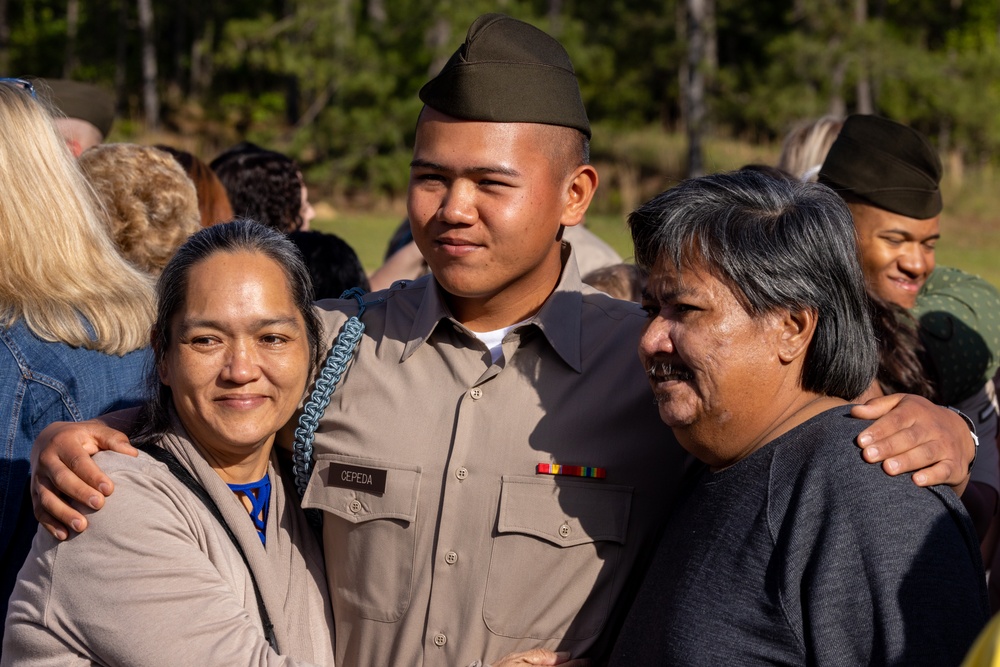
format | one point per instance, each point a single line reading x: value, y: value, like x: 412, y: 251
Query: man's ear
x: 796, y: 332
x: 580, y: 187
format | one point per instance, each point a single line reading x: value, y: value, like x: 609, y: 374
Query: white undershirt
x: 494, y: 340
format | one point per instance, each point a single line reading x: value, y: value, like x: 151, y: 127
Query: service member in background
x: 889, y: 175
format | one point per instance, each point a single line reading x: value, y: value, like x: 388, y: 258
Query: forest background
x: 673, y: 87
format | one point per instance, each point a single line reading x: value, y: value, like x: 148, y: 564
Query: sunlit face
x: 238, y: 361
x: 897, y: 253
x: 712, y: 367
x: 485, y: 203
x: 306, y: 211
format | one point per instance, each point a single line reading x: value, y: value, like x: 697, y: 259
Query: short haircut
x: 150, y: 204
x: 171, y: 295
x: 264, y: 186
x: 778, y: 245
x: 567, y: 148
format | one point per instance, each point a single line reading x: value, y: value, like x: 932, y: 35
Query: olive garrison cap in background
x: 84, y: 101
x: 889, y: 165
x: 508, y: 72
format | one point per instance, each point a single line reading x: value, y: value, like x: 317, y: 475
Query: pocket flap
x: 328, y: 492
x: 564, y: 512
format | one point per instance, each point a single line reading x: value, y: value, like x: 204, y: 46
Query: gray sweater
x: 155, y: 580
x: 803, y: 554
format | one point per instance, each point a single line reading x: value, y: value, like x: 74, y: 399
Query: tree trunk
x: 175, y: 86
x: 150, y: 99
x: 4, y: 39
x: 697, y: 42
x: 71, y: 61
x: 555, y: 17
x: 683, y: 76
x: 437, y: 38
x: 864, y: 86
x: 377, y: 12
x: 121, y: 60
x: 837, y: 105
x: 202, y: 68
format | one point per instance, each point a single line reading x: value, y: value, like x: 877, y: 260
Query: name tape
x: 345, y: 476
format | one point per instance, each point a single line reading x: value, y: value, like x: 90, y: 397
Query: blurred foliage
x: 334, y: 82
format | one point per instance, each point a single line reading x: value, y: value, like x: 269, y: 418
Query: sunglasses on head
x: 20, y: 83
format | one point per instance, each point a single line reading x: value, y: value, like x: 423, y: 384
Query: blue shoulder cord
x: 336, y: 363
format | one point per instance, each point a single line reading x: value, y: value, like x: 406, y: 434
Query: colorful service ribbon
x: 571, y: 471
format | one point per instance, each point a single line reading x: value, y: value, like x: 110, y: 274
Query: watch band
x: 972, y: 431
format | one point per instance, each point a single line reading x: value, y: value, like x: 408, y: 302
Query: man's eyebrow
x: 906, y: 233
x: 486, y: 169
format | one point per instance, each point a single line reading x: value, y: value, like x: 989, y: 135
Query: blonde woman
x: 74, y: 315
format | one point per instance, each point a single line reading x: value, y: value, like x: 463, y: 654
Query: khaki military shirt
x: 444, y: 544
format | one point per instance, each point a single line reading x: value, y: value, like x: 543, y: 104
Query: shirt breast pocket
x: 554, y: 567
x: 369, y: 536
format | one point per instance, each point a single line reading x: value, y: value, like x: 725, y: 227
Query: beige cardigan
x: 155, y: 580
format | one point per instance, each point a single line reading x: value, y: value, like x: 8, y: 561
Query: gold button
x: 476, y: 393
x: 564, y: 530
x: 355, y: 506
x: 440, y: 640
x: 451, y: 558
x: 462, y: 473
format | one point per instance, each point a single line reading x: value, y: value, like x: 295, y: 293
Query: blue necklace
x: 259, y: 494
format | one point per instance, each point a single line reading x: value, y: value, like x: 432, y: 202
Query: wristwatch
x: 972, y: 431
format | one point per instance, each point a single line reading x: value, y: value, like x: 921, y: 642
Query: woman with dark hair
x: 786, y: 547
x: 265, y: 186
x: 200, y: 556
x: 213, y: 202
x: 333, y: 265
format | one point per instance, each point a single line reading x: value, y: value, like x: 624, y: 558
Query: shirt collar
x: 558, y: 318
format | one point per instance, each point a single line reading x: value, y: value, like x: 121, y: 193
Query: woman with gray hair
x: 786, y: 548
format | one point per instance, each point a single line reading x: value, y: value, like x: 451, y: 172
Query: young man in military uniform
x: 890, y: 176
x: 493, y: 468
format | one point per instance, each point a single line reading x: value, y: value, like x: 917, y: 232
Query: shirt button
x: 440, y: 640
x: 564, y: 530
x: 355, y: 506
x: 476, y: 393
x: 451, y: 558
x: 462, y: 473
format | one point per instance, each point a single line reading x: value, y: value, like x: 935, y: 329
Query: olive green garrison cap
x: 508, y: 72
x: 85, y: 101
x: 889, y: 165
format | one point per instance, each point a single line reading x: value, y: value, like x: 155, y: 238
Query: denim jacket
x: 42, y: 382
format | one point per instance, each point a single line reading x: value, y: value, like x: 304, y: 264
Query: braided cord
x: 336, y: 363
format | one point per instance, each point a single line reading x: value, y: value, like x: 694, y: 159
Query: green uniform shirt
x: 959, y: 317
